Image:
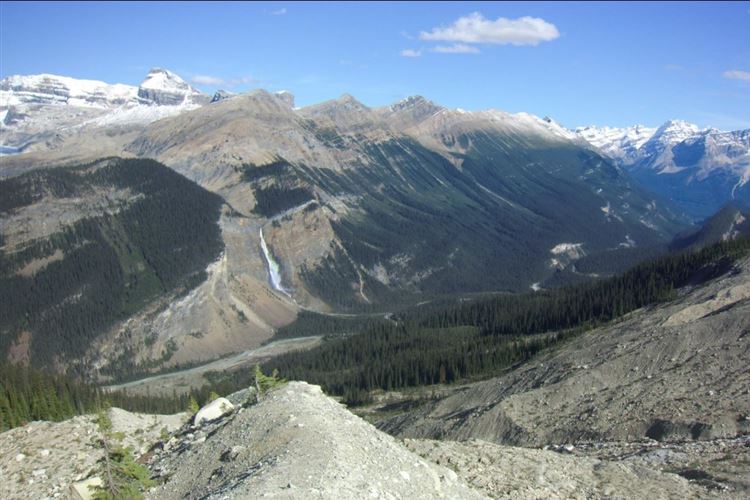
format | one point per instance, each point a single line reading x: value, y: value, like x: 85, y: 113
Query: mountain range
x: 335, y: 207
x: 699, y: 170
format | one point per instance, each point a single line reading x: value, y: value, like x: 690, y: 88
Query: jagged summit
x: 163, y: 79
x: 162, y: 87
x: 670, y: 133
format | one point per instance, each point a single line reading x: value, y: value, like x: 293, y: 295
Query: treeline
x: 484, y: 337
x: 28, y: 394
x: 394, y: 357
x: 310, y: 323
x: 112, y: 264
x: 273, y: 200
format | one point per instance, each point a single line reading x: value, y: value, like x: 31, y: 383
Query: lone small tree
x: 123, y: 478
x: 264, y: 383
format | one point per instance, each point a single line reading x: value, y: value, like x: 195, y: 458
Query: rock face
x: 670, y: 373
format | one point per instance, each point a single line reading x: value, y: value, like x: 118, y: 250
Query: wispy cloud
x: 215, y: 81
x: 724, y: 122
x: 475, y: 28
x: 736, y: 74
x: 411, y: 53
x: 280, y: 12
x: 457, y: 48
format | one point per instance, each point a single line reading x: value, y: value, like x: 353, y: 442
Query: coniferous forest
x: 112, y: 263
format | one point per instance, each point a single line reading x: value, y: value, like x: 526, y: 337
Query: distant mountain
x: 621, y: 144
x: 727, y: 224
x: 699, y: 170
x: 43, y: 108
x: 160, y: 87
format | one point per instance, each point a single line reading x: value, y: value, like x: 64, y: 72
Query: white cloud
x: 215, y: 81
x: 411, y: 53
x: 207, y: 80
x: 736, y: 74
x: 474, y: 28
x: 457, y: 48
x: 279, y: 12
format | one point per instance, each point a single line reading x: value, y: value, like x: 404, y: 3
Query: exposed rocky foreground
x: 298, y: 443
x: 43, y: 459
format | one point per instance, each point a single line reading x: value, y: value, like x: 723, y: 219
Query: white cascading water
x: 274, y: 270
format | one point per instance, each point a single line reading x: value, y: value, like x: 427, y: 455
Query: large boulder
x: 213, y: 410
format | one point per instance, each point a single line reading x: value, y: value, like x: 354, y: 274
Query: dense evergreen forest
x: 28, y: 394
x: 112, y: 264
x: 310, y: 323
x: 483, y: 337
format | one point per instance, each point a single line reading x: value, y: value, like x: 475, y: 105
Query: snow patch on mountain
x: 46, y: 89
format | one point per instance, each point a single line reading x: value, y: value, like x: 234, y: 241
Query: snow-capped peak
x: 669, y: 134
x: 55, y: 89
x: 162, y: 87
x: 163, y: 79
x: 621, y: 144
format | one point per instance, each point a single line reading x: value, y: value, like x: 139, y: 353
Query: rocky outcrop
x: 297, y: 443
x: 220, y: 95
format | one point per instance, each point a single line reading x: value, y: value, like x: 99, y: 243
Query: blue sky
x: 616, y: 63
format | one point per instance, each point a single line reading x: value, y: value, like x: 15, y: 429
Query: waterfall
x: 274, y: 270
